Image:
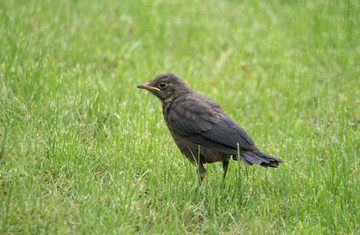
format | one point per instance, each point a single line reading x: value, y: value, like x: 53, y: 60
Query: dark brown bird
x: 196, y: 122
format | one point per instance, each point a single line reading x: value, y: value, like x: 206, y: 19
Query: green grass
x: 83, y: 151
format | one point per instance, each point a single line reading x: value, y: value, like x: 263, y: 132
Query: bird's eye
x: 162, y: 85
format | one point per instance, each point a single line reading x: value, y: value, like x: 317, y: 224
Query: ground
x: 83, y: 151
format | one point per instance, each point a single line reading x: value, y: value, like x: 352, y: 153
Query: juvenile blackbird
x: 197, y: 122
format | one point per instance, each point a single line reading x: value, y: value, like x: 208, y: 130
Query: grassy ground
x: 83, y: 151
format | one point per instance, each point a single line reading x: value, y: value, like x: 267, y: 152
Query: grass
x: 83, y: 151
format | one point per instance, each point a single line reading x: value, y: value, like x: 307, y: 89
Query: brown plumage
x: 196, y: 122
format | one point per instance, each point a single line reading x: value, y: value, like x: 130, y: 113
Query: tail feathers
x: 259, y: 158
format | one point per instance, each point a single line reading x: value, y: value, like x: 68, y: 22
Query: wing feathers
x: 209, y: 126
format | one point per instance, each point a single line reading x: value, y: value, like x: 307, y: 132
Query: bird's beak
x: 147, y: 87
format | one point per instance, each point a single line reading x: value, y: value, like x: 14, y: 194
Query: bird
x: 203, y: 132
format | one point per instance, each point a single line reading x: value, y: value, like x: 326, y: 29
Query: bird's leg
x: 225, y: 167
x: 202, y: 172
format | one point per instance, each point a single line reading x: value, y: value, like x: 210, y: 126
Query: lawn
x: 83, y: 151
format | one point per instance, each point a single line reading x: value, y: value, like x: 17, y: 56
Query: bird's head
x: 166, y: 86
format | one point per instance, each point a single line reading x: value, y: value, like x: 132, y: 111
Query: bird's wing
x: 202, y: 121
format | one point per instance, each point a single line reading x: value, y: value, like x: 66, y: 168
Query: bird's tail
x: 259, y: 158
